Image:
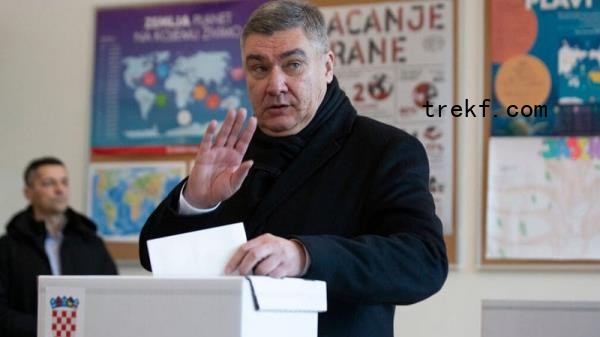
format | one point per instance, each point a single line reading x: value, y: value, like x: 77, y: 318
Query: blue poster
x: 162, y: 73
x: 121, y: 196
x: 545, y: 67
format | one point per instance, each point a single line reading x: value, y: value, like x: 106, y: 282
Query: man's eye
x: 259, y: 69
x: 294, y: 67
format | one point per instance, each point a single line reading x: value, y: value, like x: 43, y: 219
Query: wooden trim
x: 351, y: 2
x: 486, y: 128
x: 452, y: 239
x: 123, y: 251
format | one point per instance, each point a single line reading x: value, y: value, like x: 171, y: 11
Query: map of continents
x: 579, y: 71
x: 123, y: 196
x: 187, y: 86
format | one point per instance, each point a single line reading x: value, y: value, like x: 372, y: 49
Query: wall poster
x: 543, y: 160
x: 163, y: 72
x: 392, y: 58
x: 122, y: 195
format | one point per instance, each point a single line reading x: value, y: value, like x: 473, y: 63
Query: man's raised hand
x: 218, y: 170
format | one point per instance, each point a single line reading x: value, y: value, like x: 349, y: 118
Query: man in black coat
x: 323, y: 193
x: 47, y: 238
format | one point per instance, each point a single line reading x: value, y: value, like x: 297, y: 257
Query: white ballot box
x: 119, y: 306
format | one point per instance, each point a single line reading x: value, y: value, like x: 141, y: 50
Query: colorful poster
x: 123, y: 195
x: 543, y: 200
x: 391, y: 59
x: 163, y: 72
x: 546, y: 65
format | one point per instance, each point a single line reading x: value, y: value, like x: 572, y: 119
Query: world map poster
x: 121, y: 196
x: 162, y: 73
x: 545, y: 54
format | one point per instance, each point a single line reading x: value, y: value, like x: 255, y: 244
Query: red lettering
x: 335, y: 25
x: 434, y: 15
x: 419, y: 23
x: 398, y: 49
x: 353, y: 31
x: 391, y: 19
x: 372, y: 22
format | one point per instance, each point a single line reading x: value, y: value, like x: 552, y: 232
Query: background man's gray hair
x: 279, y: 15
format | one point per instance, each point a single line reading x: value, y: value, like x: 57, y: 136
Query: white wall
x: 46, y: 56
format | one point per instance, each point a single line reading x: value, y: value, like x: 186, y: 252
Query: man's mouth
x: 277, y: 108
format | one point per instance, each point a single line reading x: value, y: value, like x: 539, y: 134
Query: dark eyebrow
x: 293, y: 52
x: 255, y: 57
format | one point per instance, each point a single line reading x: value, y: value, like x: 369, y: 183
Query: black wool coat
x: 357, y: 197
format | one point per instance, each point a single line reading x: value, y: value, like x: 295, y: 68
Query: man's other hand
x: 268, y: 255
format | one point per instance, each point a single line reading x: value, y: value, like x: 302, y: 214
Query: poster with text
x: 545, y: 67
x: 163, y: 72
x: 543, y: 200
x: 392, y: 59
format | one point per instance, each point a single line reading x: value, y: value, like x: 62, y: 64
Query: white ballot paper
x: 202, y: 253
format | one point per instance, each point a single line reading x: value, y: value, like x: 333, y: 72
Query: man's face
x: 48, y: 191
x: 287, y: 78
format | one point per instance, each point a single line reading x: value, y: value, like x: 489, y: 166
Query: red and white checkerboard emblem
x: 64, y: 322
x: 64, y: 316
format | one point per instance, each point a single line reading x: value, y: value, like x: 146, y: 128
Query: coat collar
x: 326, y: 142
x: 24, y: 224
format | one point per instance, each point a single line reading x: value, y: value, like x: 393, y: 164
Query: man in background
x: 46, y: 238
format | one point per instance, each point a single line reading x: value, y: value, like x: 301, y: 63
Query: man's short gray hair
x: 279, y: 15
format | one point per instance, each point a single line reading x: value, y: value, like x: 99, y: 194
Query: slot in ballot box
x: 119, y: 306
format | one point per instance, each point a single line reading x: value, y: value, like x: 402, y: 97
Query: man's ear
x: 27, y: 192
x: 329, y: 61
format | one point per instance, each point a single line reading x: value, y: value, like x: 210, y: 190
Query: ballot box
x: 119, y: 306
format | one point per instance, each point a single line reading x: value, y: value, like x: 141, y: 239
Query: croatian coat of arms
x: 64, y: 316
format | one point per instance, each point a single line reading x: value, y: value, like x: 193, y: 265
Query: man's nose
x: 277, y: 82
x: 60, y: 188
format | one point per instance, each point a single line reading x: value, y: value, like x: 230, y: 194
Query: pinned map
x: 123, y: 195
x: 579, y: 71
x: 162, y: 73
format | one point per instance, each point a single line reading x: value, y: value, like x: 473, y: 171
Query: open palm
x: 218, y: 170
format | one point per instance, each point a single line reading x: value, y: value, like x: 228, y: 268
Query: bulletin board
x: 542, y: 144
x: 391, y: 58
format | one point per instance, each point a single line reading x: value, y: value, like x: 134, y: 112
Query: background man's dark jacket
x: 357, y: 197
x: 23, y: 258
